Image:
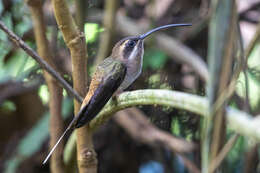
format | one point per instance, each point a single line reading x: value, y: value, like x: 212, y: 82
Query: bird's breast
x: 134, y: 70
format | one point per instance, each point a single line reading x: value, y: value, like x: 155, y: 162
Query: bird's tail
x: 64, y: 133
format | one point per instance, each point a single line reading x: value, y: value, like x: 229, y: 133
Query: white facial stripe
x: 134, y: 52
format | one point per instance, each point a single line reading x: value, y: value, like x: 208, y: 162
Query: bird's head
x: 131, y: 48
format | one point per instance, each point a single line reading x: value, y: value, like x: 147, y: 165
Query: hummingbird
x: 115, y: 74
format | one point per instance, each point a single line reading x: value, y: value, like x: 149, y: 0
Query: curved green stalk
x: 239, y: 121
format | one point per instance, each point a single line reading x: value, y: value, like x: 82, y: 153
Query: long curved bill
x: 143, y: 36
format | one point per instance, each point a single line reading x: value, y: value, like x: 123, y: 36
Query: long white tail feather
x: 54, y: 147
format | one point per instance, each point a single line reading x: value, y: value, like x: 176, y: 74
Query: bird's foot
x: 116, y: 95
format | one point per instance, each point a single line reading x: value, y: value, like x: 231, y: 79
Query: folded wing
x: 110, y: 82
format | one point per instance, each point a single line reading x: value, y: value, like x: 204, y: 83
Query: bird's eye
x: 131, y: 43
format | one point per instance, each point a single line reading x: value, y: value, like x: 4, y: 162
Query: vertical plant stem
x: 251, y: 159
x: 224, y: 78
x: 75, y: 41
x: 220, y: 59
x: 109, y: 25
x: 56, y: 122
x: 81, y: 13
x: 56, y: 126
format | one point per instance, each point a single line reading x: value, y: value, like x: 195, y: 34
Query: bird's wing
x: 103, y: 85
x: 107, y: 78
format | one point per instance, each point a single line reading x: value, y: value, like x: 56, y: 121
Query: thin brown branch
x: 56, y: 122
x: 190, y: 165
x: 223, y: 153
x: 56, y: 126
x: 75, y: 40
x: 139, y: 127
x: 20, y: 43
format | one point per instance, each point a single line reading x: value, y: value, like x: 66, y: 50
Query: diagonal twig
x: 138, y: 126
x: 223, y: 153
x: 141, y: 129
x: 20, y: 43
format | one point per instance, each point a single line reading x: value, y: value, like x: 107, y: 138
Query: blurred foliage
x: 253, y: 73
x: 8, y: 106
x: 44, y: 94
x: 15, y: 64
x: 154, y: 81
x: 17, y: 67
x: 91, y: 31
x: 154, y: 59
x: 234, y: 159
x: 32, y: 142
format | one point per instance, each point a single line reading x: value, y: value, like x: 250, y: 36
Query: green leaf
x: 175, y: 127
x: 91, y: 32
x: 44, y: 94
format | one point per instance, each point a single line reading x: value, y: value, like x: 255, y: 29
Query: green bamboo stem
x: 156, y: 97
x: 220, y: 54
